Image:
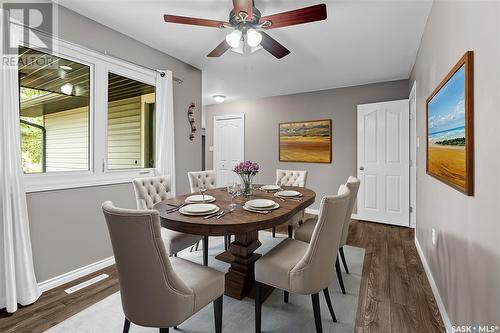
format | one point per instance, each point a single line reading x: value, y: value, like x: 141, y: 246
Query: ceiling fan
x: 248, y: 25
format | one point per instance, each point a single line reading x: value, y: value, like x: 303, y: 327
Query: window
x: 131, y: 123
x: 54, y: 112
x: 86, y: 118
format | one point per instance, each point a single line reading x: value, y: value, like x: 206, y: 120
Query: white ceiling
x: 360, y: 42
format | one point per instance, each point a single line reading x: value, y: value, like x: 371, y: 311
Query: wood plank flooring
x: 395, y: 296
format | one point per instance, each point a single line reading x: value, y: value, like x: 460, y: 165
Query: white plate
x: 260, y: 203
x: 253, y: 209
x: 288, y: 194
x: 198, y: 208
x: 270, y: 188
x: 184, y: 212
x: 198, y: 198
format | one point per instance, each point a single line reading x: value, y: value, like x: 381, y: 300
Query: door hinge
x: 411, y: 209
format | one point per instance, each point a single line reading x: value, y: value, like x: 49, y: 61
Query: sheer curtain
x: 17, y: 277
x: 165, y: 144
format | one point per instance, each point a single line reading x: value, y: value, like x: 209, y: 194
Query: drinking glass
x: 202, y: 188
x: 233, y: 191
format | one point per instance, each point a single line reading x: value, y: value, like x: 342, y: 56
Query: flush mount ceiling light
x: 248, y: 24
x: 67, y: 89
x: 66, y: 68
x: 219, y: 98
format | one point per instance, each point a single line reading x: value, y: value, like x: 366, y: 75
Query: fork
x: 213, y: 215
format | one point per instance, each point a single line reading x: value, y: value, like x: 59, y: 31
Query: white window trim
x: 100, y: 65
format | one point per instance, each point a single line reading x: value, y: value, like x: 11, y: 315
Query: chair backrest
x: 353, y: 186
x: 197, y: 178
x: 291, y: 177
x: 152, y: 293
x: 315, y: 271
x: 149, y: 191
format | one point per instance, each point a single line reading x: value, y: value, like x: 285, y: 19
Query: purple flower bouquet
x: 246, y: 170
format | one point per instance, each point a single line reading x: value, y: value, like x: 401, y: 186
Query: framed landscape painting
x: 450, y: 128
x: 306, y: 141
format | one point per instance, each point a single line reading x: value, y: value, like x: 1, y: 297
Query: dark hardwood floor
x: 395, y: 295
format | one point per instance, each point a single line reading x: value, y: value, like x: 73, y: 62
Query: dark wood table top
x: 239, y: 221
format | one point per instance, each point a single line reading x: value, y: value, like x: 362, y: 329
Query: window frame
x: 100, y: 64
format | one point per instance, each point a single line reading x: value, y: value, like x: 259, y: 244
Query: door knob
x: 361, y: 168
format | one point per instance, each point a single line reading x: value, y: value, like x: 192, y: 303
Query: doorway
x: 229, y: 146
x: 383, y: 162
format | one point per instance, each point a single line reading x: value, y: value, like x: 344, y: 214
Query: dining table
x: 243, y: 224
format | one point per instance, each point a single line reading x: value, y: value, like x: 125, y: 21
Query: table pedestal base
x: 240, y: 279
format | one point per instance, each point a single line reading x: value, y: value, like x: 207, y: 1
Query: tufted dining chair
x: 304, y: 233
x: 291, y: 178
x: 150, y: 191
x: 197, y: 178
x: 305, y: 268
x: 206, y: 178
x: 157, y: 291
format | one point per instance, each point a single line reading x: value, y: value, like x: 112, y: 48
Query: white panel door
x: 383, y: 162
x: 229, y: 147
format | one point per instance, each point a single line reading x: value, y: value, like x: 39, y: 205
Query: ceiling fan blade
x: 298, y: 16
x: 220, y: 49
x: 273, y: 47
x: 194, y: 21
x: 243, y: 6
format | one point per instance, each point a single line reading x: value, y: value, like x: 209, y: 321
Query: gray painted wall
x: 465, y: 263
x: 262, y: 117
x: 67, y: 227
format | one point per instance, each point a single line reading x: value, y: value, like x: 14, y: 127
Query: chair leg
x: 290, y: 231
x: 205, y: 251
x: 218, y: 315
x: 226, y: 244
x: 317, y: 313
x: 126, y: 326
x: 339, y: 275
x: 258, y: 307
x: 274, y: 232
x: 285, y: 296
x: 342, y: 256
x: 329, y: 303
x: 164, y: 330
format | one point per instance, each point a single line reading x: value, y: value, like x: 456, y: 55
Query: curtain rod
x: 174, y: 78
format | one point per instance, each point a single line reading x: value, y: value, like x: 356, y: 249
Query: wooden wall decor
x: 450, y: 127
x: 191, y: 120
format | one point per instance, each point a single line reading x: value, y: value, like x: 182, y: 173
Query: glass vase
x: 246, y: 184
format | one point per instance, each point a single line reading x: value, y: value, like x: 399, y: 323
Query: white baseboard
x: 73, y: 275
x: 316, y: 212
x: 435, y: 291
x: 312, y: 211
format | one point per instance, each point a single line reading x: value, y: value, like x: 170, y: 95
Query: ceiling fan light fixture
x: 219, y: 98
x: 253, y: 37
x: 234, y: 38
